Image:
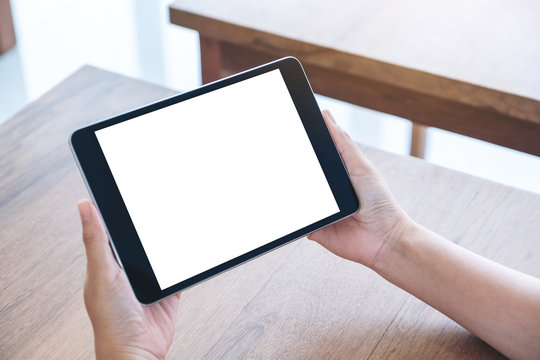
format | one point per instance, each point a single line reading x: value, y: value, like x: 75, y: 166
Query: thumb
x: 100, y: 259
x: 356, y: 162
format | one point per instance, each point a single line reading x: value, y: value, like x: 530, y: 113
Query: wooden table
x: 470, y: 67
x: 297, y: 302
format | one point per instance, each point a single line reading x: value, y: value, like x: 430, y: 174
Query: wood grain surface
x: 297, y: 302
x: 467, y: 67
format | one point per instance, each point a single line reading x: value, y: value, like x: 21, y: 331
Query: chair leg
x: 418, y: 140
x: 7, y: 31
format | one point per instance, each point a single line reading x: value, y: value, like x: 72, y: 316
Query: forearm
x: 498, y: 304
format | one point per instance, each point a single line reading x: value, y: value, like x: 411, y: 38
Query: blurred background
x: 135, y: 38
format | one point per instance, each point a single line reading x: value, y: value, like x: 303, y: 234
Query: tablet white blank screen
x: 213, y: 177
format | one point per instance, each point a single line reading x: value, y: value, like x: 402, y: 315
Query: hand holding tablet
x: 201, y: 182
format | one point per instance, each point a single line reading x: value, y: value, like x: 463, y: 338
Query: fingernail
x: 85, y: 210
x: 330, y: 116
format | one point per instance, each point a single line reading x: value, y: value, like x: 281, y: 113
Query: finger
x: 316, y: 236
x: 355, y: 161
x: 100, y: 259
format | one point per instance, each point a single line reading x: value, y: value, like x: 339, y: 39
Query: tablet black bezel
x: 123, y: 235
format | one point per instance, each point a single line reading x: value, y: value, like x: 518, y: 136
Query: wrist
x: 124, y: 353
x: 396, y: 248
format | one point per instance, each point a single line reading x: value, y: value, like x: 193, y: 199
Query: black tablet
x: 198, y: 183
